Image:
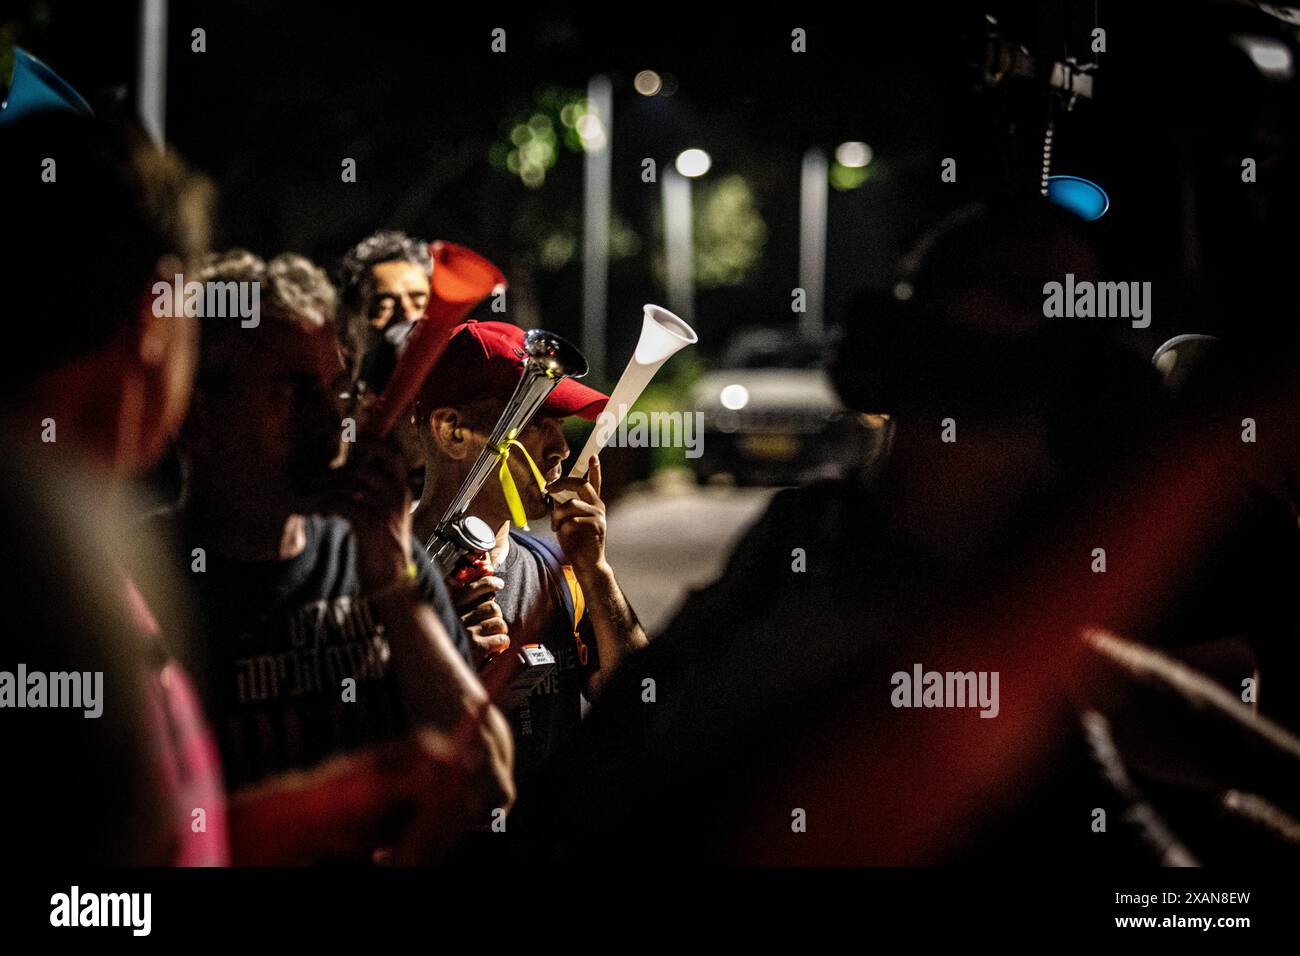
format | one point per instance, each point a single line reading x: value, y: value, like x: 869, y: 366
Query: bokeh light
x: 693, y: 162
x: 648, y: 83
x: 854, y: 155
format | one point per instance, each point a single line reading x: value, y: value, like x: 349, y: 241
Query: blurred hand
x: 370, y: 491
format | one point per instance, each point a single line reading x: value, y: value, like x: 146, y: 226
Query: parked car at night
x: 771, y: 415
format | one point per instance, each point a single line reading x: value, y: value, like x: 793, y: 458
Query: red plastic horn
x: 461, y: 280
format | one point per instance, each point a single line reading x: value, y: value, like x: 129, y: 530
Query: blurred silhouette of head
x: 964, y: 312
x: 93, y: 348
x: 963, y: 334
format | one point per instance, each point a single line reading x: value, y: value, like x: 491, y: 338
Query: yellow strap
x: 579, y: 602
x: 579, y: 608
x: 508, y: 487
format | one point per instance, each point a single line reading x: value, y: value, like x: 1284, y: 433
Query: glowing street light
x: 648, y: 83
x: 693, y: 163
x: 734, y: 397
x: 854, y: 155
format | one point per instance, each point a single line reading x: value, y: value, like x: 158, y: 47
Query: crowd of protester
x: 289, y: 678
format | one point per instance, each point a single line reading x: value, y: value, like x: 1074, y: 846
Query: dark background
x: 284, y: 92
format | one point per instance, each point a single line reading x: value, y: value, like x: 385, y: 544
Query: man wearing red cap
x: 568, y: 601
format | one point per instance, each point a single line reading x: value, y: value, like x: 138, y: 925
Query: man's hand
x: 579, y: 526
x: 579, y: 523
x: 370, y: 491
x: 480, y: 614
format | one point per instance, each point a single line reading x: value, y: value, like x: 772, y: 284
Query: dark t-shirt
x: 279, y: 640
x: 535, y: 612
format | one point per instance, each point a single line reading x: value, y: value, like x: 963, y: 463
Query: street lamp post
x: 813, y: 196
x: 679, y: 236
x: 595, y: 233
x: 679, y: 244
x: 151, y: 78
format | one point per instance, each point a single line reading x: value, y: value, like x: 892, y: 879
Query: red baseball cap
x: 485, y: 360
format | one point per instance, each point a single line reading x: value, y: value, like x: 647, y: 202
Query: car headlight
x: 734, y: 397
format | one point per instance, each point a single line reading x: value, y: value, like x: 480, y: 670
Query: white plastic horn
x: 663, y: 335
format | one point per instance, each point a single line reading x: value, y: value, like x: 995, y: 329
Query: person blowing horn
x: 567, y: 598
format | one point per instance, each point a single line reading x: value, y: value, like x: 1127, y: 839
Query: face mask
x: 378, y: 364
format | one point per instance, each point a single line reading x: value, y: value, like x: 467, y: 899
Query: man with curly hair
x: 384, y: 282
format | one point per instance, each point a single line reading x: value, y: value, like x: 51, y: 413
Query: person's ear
x: 450, y: 433
x: 162, y: 350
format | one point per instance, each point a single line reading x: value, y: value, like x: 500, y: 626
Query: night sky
x: 284, y: 92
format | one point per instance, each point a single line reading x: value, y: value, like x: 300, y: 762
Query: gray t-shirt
x: 534, y: 609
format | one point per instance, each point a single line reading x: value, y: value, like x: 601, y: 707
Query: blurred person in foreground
x: 94, y: 393
x: 795, y: 734
x: 92, y: 402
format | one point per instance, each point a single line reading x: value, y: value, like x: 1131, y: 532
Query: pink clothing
x: 185, y: 754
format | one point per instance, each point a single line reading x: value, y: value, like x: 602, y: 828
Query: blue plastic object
x: 1081, y: 196
x: 35, y: 88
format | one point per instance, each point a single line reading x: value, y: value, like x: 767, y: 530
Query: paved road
x: 677, y: 536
